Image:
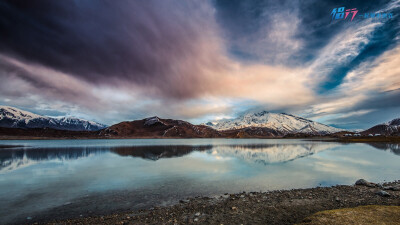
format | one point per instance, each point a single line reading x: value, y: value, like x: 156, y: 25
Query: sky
x: 112, y: 61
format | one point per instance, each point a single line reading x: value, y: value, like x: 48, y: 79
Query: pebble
x: 197, y: 214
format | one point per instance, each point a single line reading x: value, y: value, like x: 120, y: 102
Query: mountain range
x: 11, y: 117
x: 262, y: 124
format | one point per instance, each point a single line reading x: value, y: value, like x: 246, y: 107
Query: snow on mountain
x: 281, y: 122
x: 395, y: 122
x: 390, y: 128
x: 16, y: 118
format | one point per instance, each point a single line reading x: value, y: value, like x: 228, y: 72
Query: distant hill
x: 11, y: 117
x: 391, y: 128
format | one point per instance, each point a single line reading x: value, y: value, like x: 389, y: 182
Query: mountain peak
x: 282, y: 122
x: 394, y: 122
x: 12, y: 117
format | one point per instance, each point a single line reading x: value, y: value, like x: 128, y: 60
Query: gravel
x: 275, y: 207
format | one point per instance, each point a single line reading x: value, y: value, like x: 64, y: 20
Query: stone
x: 396, y: 188
x: 364, y: 183
x: 382, y: 193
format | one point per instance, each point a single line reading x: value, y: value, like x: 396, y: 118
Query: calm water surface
x: 69, y: 178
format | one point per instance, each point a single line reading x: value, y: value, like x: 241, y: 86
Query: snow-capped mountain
x: 282, y: 122
x: 16, y: 118
x: 389, y: 128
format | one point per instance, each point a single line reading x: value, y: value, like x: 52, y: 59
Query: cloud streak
x: 197, y: 60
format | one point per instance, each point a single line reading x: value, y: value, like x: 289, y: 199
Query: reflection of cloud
x: 338, y: 169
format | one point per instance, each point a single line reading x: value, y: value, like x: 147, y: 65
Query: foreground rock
x: 362, y: 215
x: 365, y: 183
x: 276, y: 207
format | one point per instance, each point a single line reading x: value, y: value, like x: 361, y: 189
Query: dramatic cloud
x: 199, y: 60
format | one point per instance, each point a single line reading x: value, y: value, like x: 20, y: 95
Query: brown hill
x: 155, y: 127
x: 391, y: 128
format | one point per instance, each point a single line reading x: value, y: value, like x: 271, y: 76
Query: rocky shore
x: 275, y: 207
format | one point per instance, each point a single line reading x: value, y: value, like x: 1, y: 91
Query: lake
x: 72, y: 178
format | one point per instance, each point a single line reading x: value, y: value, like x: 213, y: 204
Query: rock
x: 234, y: 208
x: 382, y: 193
x: 184, y: 201
x: 196, y: 219
x: 337, y: 199
x: 393, y: 188
x: 364, y: 183
x: 396, y: 188
x: 197, y: 214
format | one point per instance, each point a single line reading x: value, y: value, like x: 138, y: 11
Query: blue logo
x: 342, y: 13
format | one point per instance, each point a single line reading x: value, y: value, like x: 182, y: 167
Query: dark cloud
x: 164, y: 45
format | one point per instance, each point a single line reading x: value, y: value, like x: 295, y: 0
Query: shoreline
x: 389, y: 139
x: 274, y: 207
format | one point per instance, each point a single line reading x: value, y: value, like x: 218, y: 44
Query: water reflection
x: 272, y: 153
x: 16, y: 157
x: 157, y: 152
x: 38, y: 176
x: 392, y: 147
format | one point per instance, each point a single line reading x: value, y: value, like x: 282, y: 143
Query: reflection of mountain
x: 267, y: 154
x: 16, y: 158
x: 158, y: 152
x: 12, y: 159
x: 395, y: 148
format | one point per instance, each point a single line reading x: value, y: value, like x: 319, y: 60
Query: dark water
x: 69, y: 178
